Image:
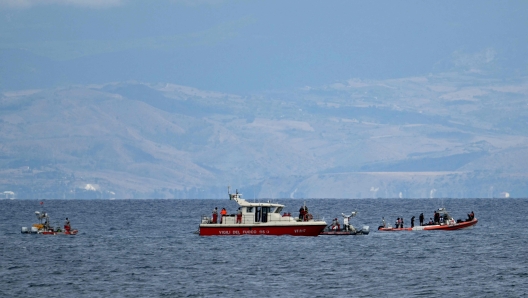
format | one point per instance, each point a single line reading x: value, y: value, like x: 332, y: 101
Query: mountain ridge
x: 460, y: 136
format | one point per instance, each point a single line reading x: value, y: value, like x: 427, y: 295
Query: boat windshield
x: 443, y: 213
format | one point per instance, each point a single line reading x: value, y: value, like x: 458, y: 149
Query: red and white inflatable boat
x: 447, y: 223
x: 259, y: 219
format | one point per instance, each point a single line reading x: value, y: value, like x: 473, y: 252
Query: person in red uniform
x: 215, y: 215
x: 239, y: 216
x: 67, y: 225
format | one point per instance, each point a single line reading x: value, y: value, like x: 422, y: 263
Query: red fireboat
x: 259, y: 219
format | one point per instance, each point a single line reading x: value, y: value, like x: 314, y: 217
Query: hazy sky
x: 246, y: 46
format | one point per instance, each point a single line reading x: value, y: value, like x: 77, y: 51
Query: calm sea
x: 147, y: 248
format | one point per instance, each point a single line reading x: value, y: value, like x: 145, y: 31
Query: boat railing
x: 250, y: 219
x: 317, y: 217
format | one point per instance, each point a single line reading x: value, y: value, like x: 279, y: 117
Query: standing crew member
x: 67, y: 225
x: 307, y: 216
x: 239, y: 216
x: 301, y: 213
x: 383, y: 223
x: 215, y: 214
x: 412, y: 222
x: 223, y: 213
x: 421, y: 219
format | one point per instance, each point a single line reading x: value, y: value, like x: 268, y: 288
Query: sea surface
x: 147, y: 248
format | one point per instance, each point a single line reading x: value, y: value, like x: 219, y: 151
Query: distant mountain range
x: 445, y: 135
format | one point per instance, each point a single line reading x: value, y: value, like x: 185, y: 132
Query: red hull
x: 340, y: 233
x: 294, y: 230
x: 457, y: 226
x: 72, y: 232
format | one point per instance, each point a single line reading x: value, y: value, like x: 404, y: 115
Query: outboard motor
x: 24, y: 230
x: 365, y: 230
x: 34, y: 230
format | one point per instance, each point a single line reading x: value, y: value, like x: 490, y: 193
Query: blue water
x: 146, y: 248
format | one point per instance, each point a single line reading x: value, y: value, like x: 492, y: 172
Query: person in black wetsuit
x: 412, y: 222
x: 421, y: 219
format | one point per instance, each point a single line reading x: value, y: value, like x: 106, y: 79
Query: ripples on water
x: 146, y: 248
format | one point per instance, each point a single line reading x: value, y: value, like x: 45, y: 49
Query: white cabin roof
x: 243, y: 203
